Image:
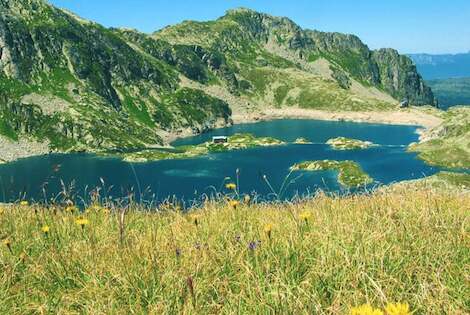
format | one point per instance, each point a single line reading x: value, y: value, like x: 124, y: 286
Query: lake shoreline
x: 410, y: 117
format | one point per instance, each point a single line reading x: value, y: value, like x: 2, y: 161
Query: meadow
x: 396, y: 252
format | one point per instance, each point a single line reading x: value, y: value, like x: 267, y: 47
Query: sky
x: 412, y: 26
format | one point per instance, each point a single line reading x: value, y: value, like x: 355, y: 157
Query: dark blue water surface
x: 188, y: 179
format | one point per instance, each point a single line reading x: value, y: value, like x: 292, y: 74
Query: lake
x: 37, y: 178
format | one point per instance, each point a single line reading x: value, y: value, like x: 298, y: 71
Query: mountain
x: 452, y: 91
x: 444, y: 66
x: 76, y: 85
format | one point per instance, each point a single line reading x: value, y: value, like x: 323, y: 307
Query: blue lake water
x: 33, y: 178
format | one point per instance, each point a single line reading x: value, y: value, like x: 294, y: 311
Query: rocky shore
x: 12, y: 150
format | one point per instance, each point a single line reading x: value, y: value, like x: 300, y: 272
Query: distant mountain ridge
x: 442, y: 66
x: 451, y: 92
x: 79, y: 86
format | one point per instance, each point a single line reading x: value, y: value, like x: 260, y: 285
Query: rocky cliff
x: 80, y: 86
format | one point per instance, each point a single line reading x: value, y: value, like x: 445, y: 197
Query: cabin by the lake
x: 219, y: 139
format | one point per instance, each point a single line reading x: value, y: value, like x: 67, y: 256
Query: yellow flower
x: 45, y: 229
x: 268, y: 228
x: 71, y: 209
x: 365, y: 309
x: 233, y: 203
x: 82, y: 222
x: 231, y: 186
x: 6, y: 242
x: 195, y: 218
x: 397, y: 309
x: 24, y: 203
x: 305, y: 215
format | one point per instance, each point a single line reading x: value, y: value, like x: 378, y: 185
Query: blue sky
x: 432, y: 26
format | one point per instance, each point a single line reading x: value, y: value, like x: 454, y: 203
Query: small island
x: 350, y: 174
x: 302, y: 141
x: 342, y: 143
x: 237, y: 141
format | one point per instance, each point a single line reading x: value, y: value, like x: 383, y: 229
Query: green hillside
x: 75, y: 85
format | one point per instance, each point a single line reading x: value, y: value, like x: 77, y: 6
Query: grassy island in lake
x: 350, y: 173
x: 342, y: 143
x: 235, y: 142
x: 302, y: 141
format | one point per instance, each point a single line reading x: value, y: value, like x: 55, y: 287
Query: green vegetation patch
x: 342, y: 143
x: 350, y: 173
x: 237, y: 141
x: 442, y: 181
x: 328, y: 253
x: 302, y: 140
x: 449, y: 143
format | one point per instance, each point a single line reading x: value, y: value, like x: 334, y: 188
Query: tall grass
x: 318, y: 256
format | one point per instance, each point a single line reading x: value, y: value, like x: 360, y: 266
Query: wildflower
x: 305, y: 215
x: 397, y: 309
x: 23, y: 256
x: 195, y: 218
x: 24, y: 203
x: 253, y: 244
x: 231, y: 186
x: 178, y: 252
x: 45, y: 229
x: 7, y: 243
x: 71, y: 209
x: 233, y: 203
x: 365, y: 309
x: 82, y: 222
x: 268, y: 228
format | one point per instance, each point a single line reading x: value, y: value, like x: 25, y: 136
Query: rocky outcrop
x: 243, y: 31
x: 400, y: 78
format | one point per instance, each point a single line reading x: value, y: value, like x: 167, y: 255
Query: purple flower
x: 254, y: 244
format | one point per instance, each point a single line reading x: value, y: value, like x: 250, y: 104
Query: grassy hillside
x: 323, y: 256
x: 79, y: 86
x: 448, y: 145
